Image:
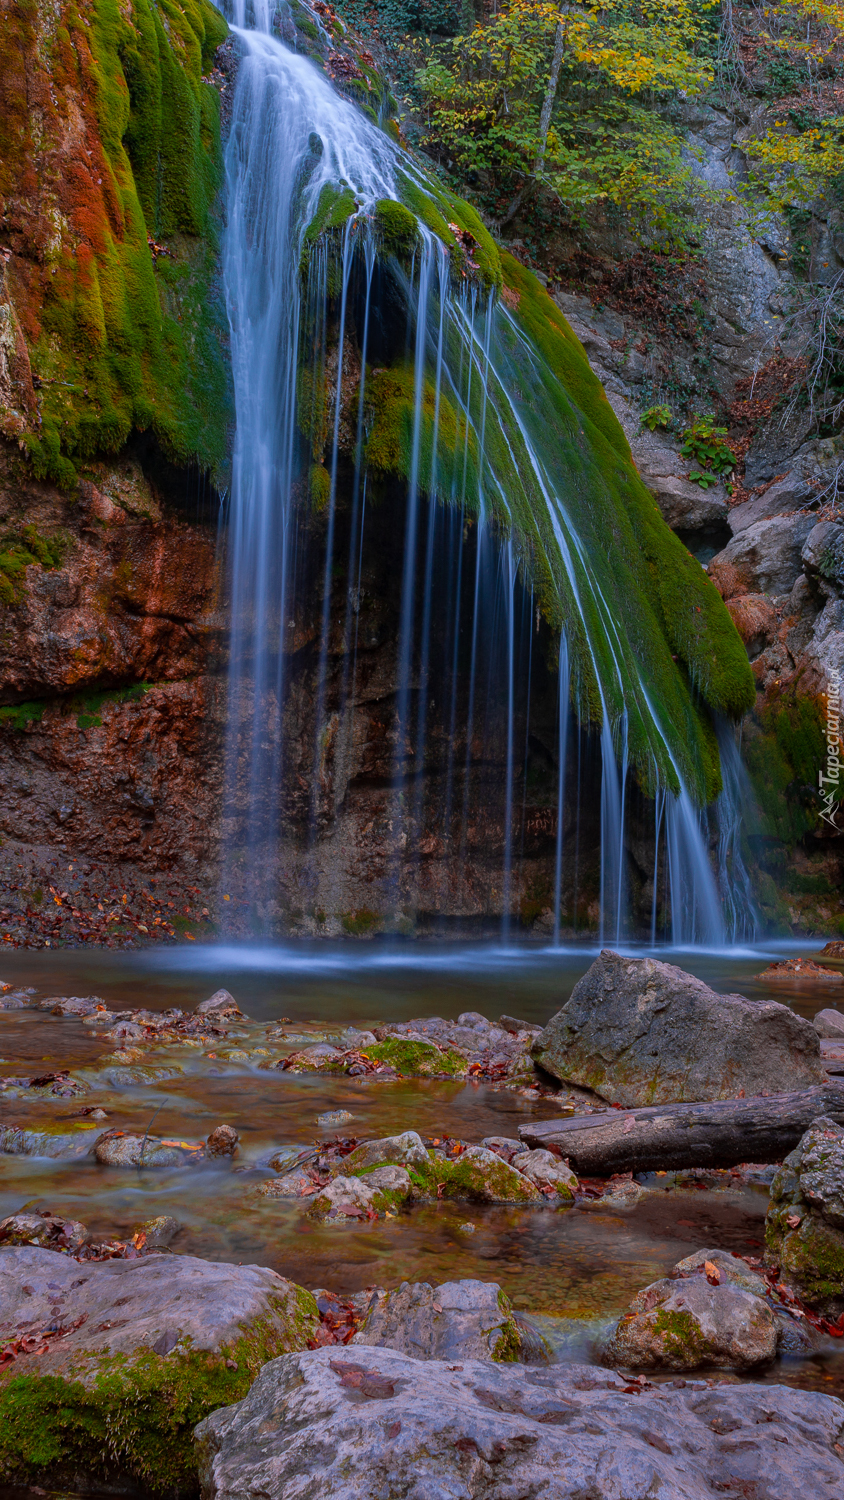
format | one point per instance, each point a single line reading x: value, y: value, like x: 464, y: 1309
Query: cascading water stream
x: 304, y: 317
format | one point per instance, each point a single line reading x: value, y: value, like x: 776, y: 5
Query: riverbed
x: 573, y: 1268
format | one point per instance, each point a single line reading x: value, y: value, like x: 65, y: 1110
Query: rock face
x: 804, y: 1228
x: 690, y: 1323
x: 362, y: 1424
x: 458, y: 1320
x: 128, y: 1355
x: 829, y: 1023
x: 642, y: 1032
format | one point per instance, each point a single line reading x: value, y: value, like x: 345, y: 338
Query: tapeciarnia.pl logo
x: 828, y: 782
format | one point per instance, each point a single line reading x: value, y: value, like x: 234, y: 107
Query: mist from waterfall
x: 291, y: 136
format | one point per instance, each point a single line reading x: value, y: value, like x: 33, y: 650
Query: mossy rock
x: 417, y: 1059
x: 397, y: 228
x: 476, y: 1176
x: 451, y: 464
x: 121, y: 338
x: 128, y: 1413
x: 810, y: 1256
x: 334, y: 207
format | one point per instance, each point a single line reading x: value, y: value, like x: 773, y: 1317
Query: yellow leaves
x: 794, y: 167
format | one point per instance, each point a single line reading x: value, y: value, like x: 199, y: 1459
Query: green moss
x: 783, y: 749
x: 465, y: 1179
x: 653, y: 649
x: 335, y: 207
x: 508, y: 1345
x: 118, y: 340
x: 18, y: 716
x: 24, y: 550
x: 397, y: 227
x: 683, y: 1341
x: 88, y: 708
x: 319, y: 486
x: 361, y: 923
x: 811, y: 1255
x: 134, y: 1416
x: 415, y: 1059
x: 476, y: 256
x: 447, y: 470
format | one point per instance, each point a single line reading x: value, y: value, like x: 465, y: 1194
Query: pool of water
x: 577, y: 1267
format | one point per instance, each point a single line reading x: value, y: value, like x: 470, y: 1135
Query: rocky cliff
x: 115, y: 408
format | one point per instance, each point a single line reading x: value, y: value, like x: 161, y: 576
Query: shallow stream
x: 576, y: 1268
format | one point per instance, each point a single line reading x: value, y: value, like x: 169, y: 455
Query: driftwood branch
x: 675, y: 1136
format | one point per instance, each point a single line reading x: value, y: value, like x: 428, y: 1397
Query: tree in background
x: 573, y: 99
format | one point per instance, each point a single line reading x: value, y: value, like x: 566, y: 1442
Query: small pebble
x: 335, y: 1117
x: 466, y: 1228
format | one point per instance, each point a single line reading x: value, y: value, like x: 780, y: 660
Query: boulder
x: 364, y: 1424
x: 482, y: 1177
x: 823, y: 556
x: 377, y: 1192
x: 764, y: 558
x: 637, y: 1031
x: 405, y: 1150
x: 829, y: 1024
x: 804, y: 1227
x: 125, y: 1356
x: 546, y: 1170
x: 690, y: 1323
x: 458, y: 1320
x: 719, y: 1265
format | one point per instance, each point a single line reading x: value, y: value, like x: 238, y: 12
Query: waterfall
x: 372, y: 342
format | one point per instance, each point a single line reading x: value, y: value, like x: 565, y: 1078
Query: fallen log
x: 671, y: 1137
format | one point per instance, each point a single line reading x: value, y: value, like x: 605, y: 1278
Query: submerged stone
x: 64, y: 1140
x: 114, y: 1149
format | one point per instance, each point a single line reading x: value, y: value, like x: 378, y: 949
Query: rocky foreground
x: 124, y: 1364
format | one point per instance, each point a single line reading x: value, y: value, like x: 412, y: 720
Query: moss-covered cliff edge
x: 111, y: 317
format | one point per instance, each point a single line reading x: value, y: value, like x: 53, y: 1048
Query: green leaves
x: 703, y: 442
x: 608, y: 137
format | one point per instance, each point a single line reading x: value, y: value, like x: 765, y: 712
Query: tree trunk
x: 675, y: 1136
x: 544, y: 124
x: 550, y: 96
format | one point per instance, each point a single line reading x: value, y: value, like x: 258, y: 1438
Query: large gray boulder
x: 124, y: 1357
x: 641, y: 1032
x: 367, y: 1424
x: 458, y: 1320
x: 804, y: 1228
x: 155, y: 1303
